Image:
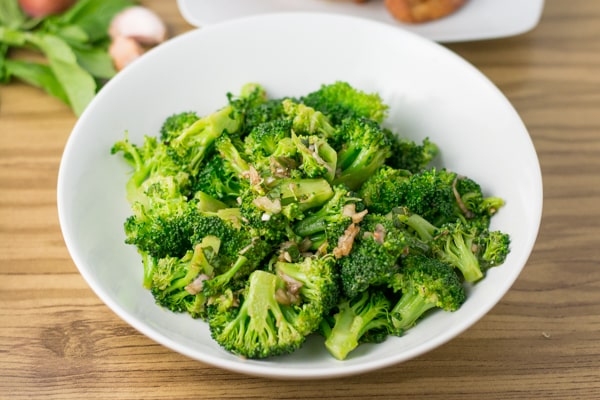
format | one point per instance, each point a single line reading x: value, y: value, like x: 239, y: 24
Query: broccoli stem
x: 352, y: 321
x: 409, y: 309
x: 216, y: 284
x: 149, y: 263
x: 459, y: 254
x: 423, y: 228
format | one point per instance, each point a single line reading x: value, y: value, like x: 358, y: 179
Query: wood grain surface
x: 542, y: 341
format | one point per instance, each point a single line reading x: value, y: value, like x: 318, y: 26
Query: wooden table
x: 58, y: 341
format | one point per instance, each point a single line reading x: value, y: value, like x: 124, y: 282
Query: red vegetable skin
x: 43, y: 8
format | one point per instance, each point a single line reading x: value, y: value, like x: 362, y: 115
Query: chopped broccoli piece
x: 355, y: 318
x: 380, y: 192
x: 312, y: 285
x: 492, y: 248
x: 260, y: 327
x: 410, y: 155
x: 264, y: 138
x: 425, y: 283
x: 175, y: 124
x: 176, y: 282
x: 363, y: 149
x: 306, y: 120
x: 375, y: 255
x: 326, y: 224
x: 340, y: 100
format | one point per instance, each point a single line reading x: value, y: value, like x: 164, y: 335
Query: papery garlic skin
x: 140, y: 24
x: 123, y: 51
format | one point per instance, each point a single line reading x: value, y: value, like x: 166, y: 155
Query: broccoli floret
x: 442, y: 196
x: 311, y: 285
x: 471, y: 204
x: 264, y: 138
x: 175, y: 124
x: 492, y: 248
x: 380, y: 192
x: 318, y: 158
x: 195, y: 142
x: 462, y: 245
x: 410, y: 155
x: 328, y: 223
x: 176, y: 283
x: 363, y: 149
x: 270, y: 110
x: 287, y: 196
x: 217, y: 180
x: 425, y: 283
x: 340, y: 100
x: 241, y: 250
x: 429, y: 194
x: 355, y: 318
x: 250, y: 107
x: 454, y: 243
x: 162, y: 227
x: 150, y: 163
x: 375, y: 254
x: 418, y: 225
x: 306, y: 120
x: 260, y: 327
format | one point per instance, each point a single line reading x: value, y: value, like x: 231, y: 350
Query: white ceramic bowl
x: 431, y: 92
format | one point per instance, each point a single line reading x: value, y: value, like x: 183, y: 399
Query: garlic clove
x: 123, y: 50
x: 140, y: 24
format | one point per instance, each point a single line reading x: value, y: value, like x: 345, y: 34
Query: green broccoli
x: 306, y: 120
x: 274, y: 219
x: 429, y: 194
x: 150, y: 163
x: 455, y: 243
x: 340, y: 100
x: 217, y: 180
x: 442, y: 196
x: 318, y: 158
x: 410, y: 155
x: 355, y: 318
x: 375, y: 254
x: 175, y: 124
x: 287, y: 196
x: 363, y: 149
x: 195, y: 142
x: 264, y: 138
x: 492, y: 248
x: 261, y: 326
x: 176, y: 283
x: 310, y: 284
x: 380, y: 191
x: 328, y: 223
x: 425, y: 283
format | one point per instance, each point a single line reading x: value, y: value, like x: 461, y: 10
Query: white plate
x: 477, y: 20
x: 431, y: 91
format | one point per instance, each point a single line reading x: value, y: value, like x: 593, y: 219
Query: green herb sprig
x: 73, y: 46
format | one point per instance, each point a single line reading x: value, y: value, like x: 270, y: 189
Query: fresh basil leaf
x: 73, y: 34
x: 11, y: 14
x: 38, y: 75
x: 93, y: 16
x: 96, y: 61
x: 12, y: 37
x: 79, y: 85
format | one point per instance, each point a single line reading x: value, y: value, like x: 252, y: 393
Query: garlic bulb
x: 140, y: 24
